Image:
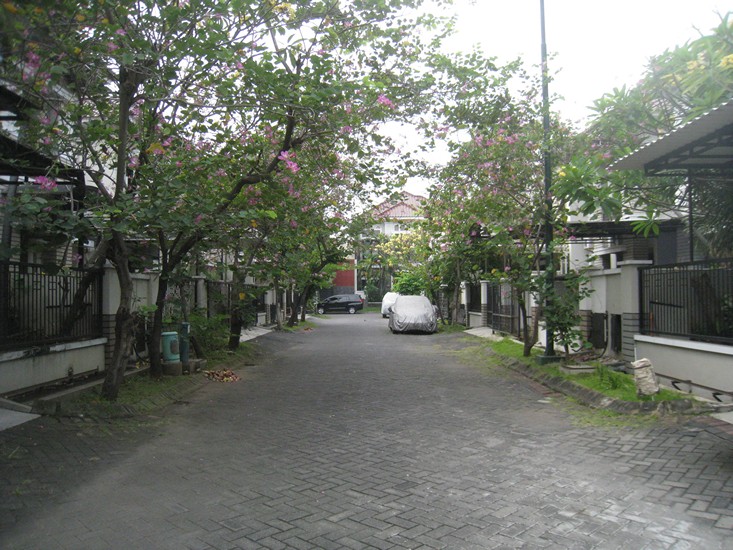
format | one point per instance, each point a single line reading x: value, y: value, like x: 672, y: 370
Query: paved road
x: 348, y: 437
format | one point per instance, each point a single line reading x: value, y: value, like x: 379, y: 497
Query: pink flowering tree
x: 172, y: 121
x: 488, y: 214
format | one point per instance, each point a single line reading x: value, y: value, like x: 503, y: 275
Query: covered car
x: 387, y: 302
x: 412, y: 314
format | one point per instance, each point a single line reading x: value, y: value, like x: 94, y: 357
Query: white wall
x: 704, y: 363
x: 21, y: 370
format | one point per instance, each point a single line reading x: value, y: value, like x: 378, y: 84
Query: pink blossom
x: 121, y: 32
x: 33, y: 59
x: 47, y: 184
x: 134, y: 163
x: 111, y: 46
x: 285, y: 155
x: 221, y: 172
x: 346, y: 129
x: 384, y: 100
x: 293, y: 224
x: 197, y: 219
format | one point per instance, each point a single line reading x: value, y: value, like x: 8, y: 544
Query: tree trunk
x: 278, y: 305
x: 124, y: 335
x: 156, y: 330
x: 529, y: 337
x: 308, y: 294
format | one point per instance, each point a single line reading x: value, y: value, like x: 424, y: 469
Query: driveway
x: 349, y: 437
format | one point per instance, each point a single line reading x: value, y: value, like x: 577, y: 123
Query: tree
x: 175, y: 108
x: 679, y: 85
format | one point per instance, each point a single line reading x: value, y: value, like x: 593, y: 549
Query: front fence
x: 37, y: 308
x: 692, y: 300
x: 502, y: 307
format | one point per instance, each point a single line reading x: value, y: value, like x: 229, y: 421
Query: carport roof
x: 704, y: 143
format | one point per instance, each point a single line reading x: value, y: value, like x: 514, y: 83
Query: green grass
x: 449, y: 329
x: 620, y: 385
x: 616, y: 385
x: 512, y: 348
x: 140, y: 389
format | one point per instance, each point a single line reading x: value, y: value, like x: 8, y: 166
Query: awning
x: 704, y: 143
x: 18, y: 160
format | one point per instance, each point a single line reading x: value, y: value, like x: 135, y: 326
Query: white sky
x: 597, y: 45
x: 594, y: 45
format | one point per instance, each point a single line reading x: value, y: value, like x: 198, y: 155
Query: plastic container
x: 169, y: 342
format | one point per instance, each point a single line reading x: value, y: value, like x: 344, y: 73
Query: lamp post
x: 549, y: 267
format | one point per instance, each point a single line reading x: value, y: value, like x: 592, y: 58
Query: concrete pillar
x: 484, y: 303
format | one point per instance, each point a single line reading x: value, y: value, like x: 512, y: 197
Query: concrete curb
x: 596, y: 400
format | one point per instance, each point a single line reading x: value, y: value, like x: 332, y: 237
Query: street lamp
x: 549, y: 267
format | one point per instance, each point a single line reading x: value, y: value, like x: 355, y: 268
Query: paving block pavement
x: 348, y: 437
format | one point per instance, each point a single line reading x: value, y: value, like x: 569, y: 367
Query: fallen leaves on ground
x: 221, y: 375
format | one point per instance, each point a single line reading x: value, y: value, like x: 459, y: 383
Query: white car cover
x: 413, y: 313
x: 387, y: 302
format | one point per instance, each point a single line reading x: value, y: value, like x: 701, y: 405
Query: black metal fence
x: 39, y: 308
x: 691, y: 300
x: 504, y: 309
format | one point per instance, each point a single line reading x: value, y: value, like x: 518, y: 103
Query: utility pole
x: 549, y: 266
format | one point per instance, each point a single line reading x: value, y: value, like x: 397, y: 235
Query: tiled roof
x: 408, y: 206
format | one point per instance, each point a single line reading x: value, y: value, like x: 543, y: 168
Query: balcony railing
x: 692, y: 300
x: 38, y: 308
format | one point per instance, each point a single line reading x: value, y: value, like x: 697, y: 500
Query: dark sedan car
x: 350, y: 303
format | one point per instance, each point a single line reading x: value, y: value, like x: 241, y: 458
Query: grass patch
x: 617, y: 385
x: 511, y: 348
x: 140, y: 390
x: 620, y: 385
x: 449, y: 329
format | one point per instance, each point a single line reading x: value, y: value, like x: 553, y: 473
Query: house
x: 685, y: 307
x: 395, y: 216
x: 57, y: 317
x: 654, y: 297
x: 392, y: 217
x: 50, y: 307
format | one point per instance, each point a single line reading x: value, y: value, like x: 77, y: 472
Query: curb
x: 596, y: 400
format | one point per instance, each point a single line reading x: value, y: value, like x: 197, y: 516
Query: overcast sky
x: 597, y: 45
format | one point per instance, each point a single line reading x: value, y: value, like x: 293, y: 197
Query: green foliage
x: 510, y: 348
x: 408, y: 283
x: 372, y: 292
x: 679, y: 84
x: 212, y: 333
x: 561, y: 310
x: 621, y: 386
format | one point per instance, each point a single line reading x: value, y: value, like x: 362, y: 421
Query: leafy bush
x: 212, y: 333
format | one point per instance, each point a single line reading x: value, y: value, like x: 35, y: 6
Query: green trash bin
x: 170, y: 346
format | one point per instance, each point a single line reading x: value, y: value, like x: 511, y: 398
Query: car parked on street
x: 350, y: 303
x: 387, y: 302
x: 413, y: 314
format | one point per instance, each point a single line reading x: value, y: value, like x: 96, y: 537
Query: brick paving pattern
x: 347, y: 437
